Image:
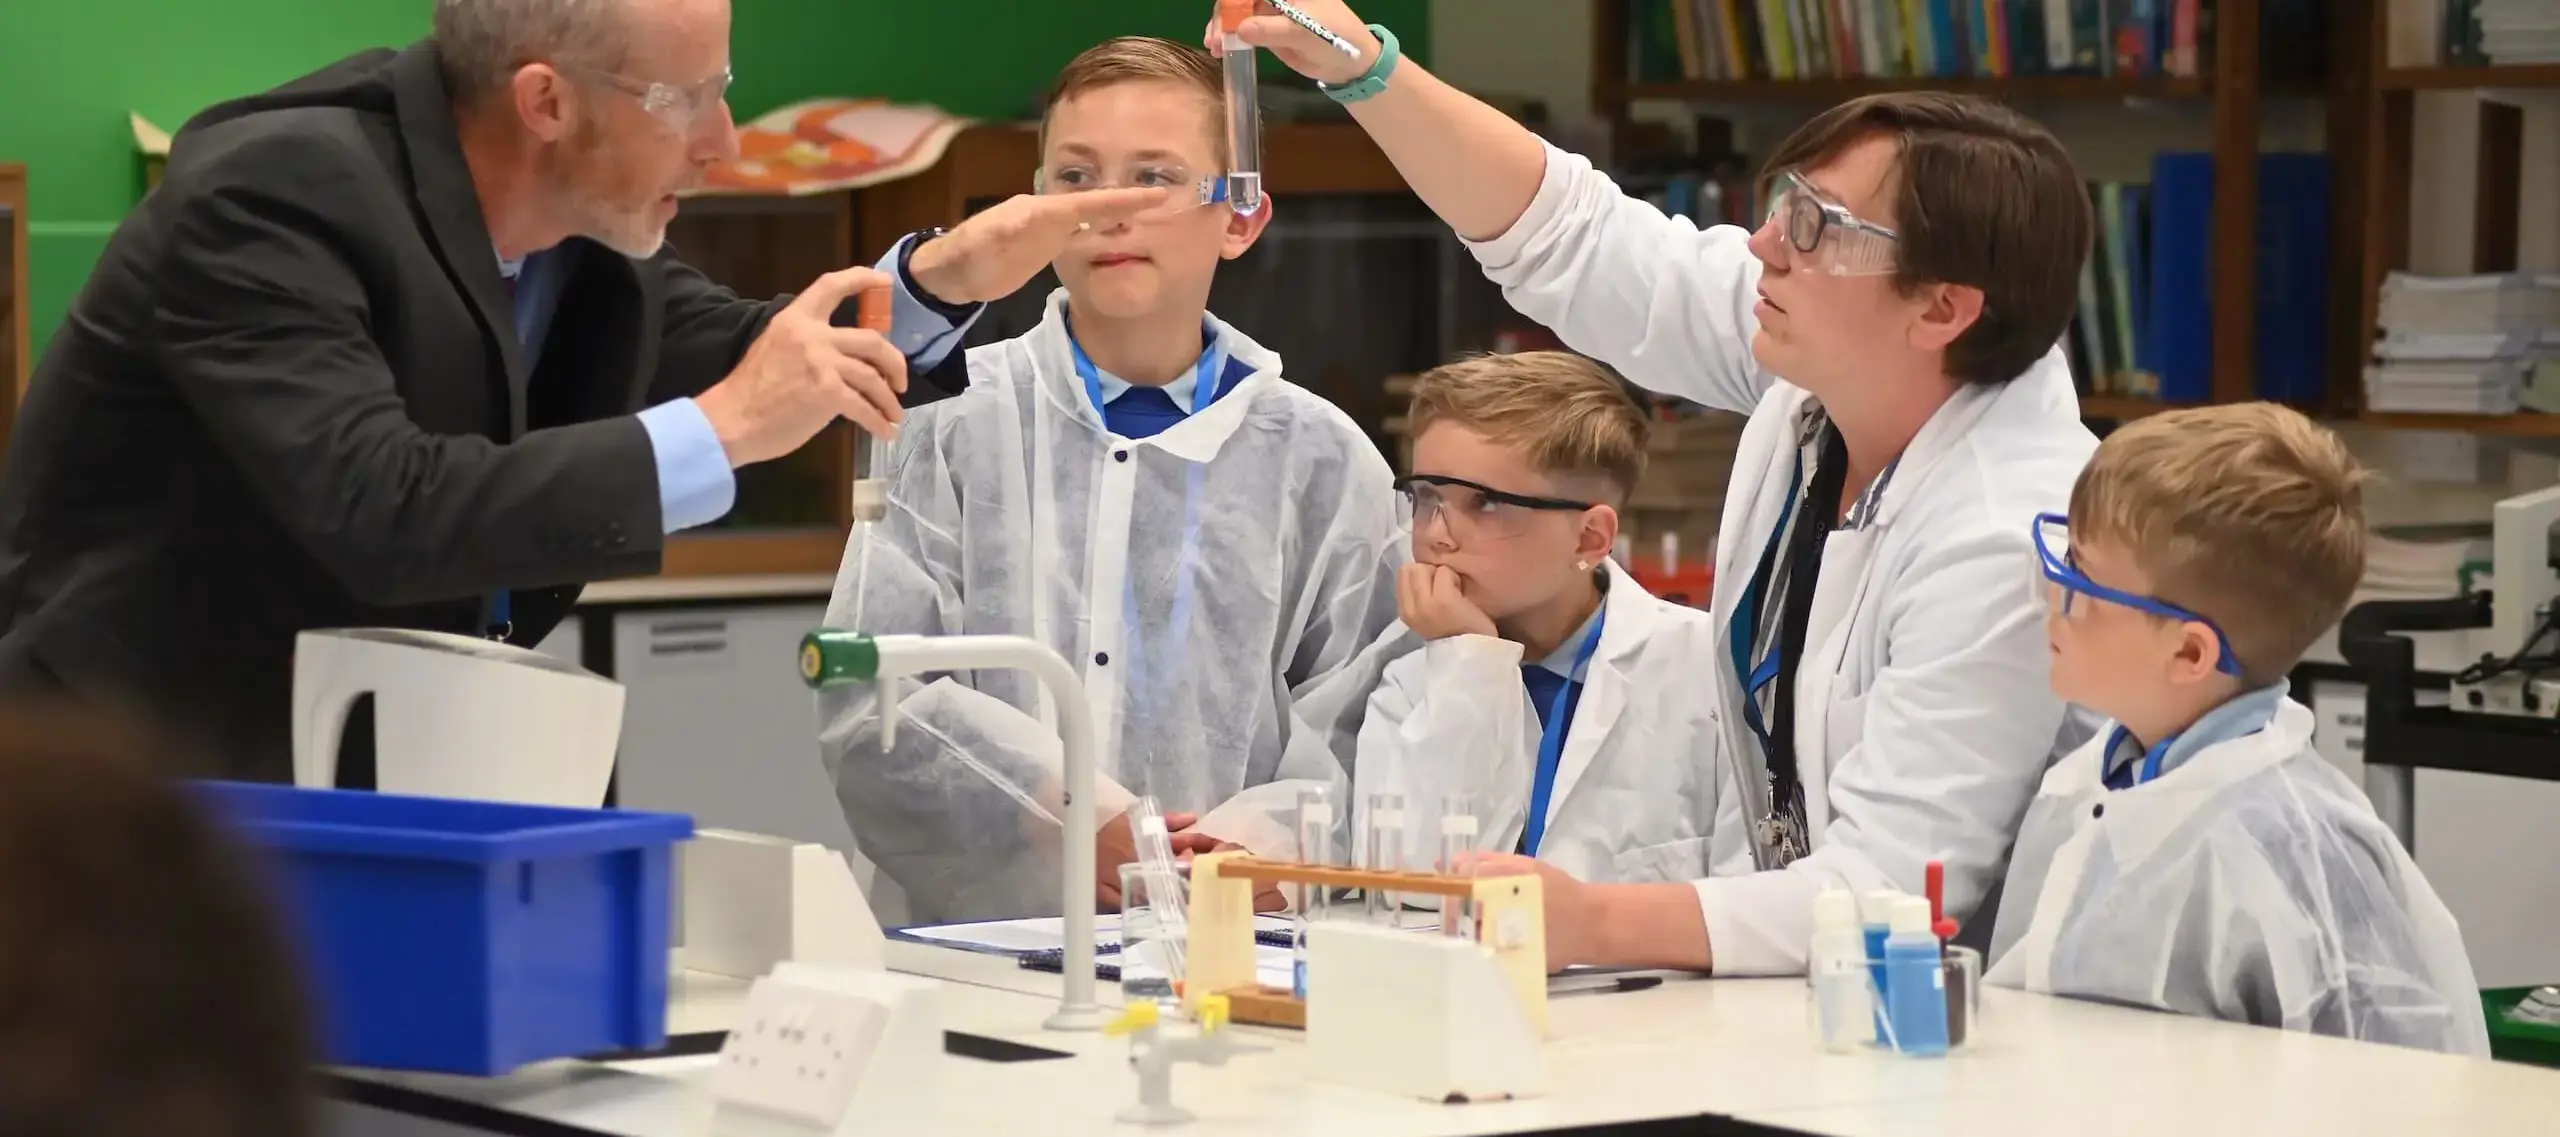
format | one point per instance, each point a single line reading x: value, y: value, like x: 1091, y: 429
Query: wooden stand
x: 1510, y: 919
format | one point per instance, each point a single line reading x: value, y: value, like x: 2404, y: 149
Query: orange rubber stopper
x: 871, y: 310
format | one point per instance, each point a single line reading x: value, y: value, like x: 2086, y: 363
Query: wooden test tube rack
x: 1510, y: 919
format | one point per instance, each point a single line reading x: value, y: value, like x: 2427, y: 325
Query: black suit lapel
x: 451, y: 205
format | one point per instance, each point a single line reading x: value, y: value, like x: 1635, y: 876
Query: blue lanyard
x: 1551, y: 740
x: 1204, y: 391
x: 1204, y: 377
x: 525, y: 288
x: 1745, y: 626
x: 2150, y: 760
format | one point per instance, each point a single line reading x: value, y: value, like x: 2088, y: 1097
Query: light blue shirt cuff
x: 695, y: 484
x: 924, y: 336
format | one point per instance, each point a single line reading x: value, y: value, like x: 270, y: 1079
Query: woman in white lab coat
x: 1891, y: 330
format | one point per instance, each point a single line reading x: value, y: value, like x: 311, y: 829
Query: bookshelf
x: 2373, y: 123
x: 2121, y: 408
x: 2091, y: 88
x: 2228, y: 80
x: 2515, y: 76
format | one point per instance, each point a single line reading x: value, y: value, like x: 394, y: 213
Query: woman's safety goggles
x: 1825, y: 235
x: 1187, y: 192
x: 1472, y: 511
x: 2063, y: 582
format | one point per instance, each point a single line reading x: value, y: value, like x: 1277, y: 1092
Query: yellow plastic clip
x: 1213, y: 1012
x: 1139, y: 1016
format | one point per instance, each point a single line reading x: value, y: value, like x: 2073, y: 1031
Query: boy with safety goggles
x: 1540, y: 682
x: 2199, y: 856
x: 1135, y: 484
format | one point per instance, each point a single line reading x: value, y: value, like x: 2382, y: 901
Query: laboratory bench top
x: 659, y: 590
x: 1689, y: 1056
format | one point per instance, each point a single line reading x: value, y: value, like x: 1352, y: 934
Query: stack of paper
x: 2462, y: 344
x: 2519, y: 31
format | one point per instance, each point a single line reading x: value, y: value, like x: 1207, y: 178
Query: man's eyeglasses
x: 1831, y: 239
x: 681, y: 106
x: 2063, y: 581
x: 1471, y: 510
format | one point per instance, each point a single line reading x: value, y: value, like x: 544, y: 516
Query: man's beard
x: 630, y: 231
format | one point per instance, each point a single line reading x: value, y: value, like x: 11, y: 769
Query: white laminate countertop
x: 664, y: 589
x: 1737, y: 1048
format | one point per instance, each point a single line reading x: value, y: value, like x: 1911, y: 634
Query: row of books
x: 1809, y: 39
x: 2145, y: 327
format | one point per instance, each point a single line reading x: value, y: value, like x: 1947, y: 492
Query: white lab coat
x: 2251, y: 883
x: 1924, y: 717
x: 1637, y: 795
x: 1207, y: 583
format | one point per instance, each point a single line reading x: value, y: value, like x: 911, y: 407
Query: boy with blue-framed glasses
x: 2199, y: 856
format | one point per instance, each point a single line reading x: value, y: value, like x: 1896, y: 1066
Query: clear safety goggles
x: 680, y: 106
x: 1186, y: 192
x: 1471, y: 511
x: 2062, y: 583
x: 1827, y: 237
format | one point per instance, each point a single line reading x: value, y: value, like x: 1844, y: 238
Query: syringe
x: 872, y: 309
x: 1244, y: 109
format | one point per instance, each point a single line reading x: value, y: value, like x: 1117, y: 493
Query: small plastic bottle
x: 1915, y: 981
x: 1878, y: 912
x: 1844, y: 1003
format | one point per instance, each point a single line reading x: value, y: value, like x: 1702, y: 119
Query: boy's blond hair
x: 1136, y: 59
x: 2250, y: 515
x: 1569, y: 415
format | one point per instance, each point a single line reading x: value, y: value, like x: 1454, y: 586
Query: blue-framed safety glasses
x: 2053, y: 548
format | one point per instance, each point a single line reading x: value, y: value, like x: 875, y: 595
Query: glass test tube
x: 1457, y: 839
x: 1244, y: 109
x: 1386, y: 854
x: 1165, y: 886
x: 1315, y: 847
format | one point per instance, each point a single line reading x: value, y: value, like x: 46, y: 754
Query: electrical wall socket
x: 829, y: 1050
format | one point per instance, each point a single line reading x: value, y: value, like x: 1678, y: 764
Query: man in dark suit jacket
x: 398, y: 344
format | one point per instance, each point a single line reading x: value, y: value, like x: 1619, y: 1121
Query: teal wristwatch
x: 1375, y: 79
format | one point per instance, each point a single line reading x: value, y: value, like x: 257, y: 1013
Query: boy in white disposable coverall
x: 1133, y: 484
x: 1537, y: 679
x: 2198, y: 856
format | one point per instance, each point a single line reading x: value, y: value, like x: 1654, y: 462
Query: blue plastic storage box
x: 468, y: 937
